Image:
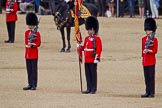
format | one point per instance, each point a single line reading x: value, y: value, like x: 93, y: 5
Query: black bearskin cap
x: 92, y: 23
x: 31, y: 19
x: 150, y: 24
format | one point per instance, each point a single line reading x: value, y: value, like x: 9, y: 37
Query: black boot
x: 33, y: 88
x: 151, y: 96
x: 145, y: 95
x: 86, y: 92
x: 8, y: 41
x: 27, y: 87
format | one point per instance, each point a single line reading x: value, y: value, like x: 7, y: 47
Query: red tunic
x: 12, y: 16
x: 89, y: 49
x: 32, y: 53
x: 149, y: 59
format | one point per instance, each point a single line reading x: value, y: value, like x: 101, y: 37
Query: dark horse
x: 63, y: 19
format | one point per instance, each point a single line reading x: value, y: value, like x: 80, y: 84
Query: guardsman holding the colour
x: 92, y: 51
x: 149, y: 49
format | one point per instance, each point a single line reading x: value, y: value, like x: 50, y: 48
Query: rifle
x: 94, y: 50
x: 149, y: 42
x: 94, y: 45
x: 32, y: 36
x: 11, y: 4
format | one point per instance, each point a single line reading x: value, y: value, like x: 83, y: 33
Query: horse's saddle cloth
x: 83, y: 12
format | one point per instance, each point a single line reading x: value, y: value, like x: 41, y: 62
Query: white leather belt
x: 88, y: 49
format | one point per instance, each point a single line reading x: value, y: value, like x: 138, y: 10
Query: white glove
x: 146, y: 51
x: 9, y: 10
x: 78, y: 45
x: 30, y: 45
x: 96, y: 61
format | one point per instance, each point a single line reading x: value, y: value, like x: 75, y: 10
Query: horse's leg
x: 63, y: 39
x: 68, y: 30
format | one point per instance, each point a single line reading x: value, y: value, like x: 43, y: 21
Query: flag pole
x: 78, y: 38
x: 81, y: 88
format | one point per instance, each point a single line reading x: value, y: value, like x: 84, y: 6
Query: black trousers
x: 101, y: 7
x: 91, y: 76
x: 52, y: 6
x: 121, y: 9
x: 11, y: 30
x: 32, y: 71
x: 147, y: 8
x: 149, y: 74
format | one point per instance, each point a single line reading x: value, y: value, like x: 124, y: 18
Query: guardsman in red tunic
x: 92, y: 51
x: 149, y: 49
x: 32, y: 42
x: 11, y: 18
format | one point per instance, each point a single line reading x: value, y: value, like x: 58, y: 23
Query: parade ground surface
x: 120, y: 72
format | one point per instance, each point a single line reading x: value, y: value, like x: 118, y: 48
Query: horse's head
x: 61, y: 15
x: 59, y: 20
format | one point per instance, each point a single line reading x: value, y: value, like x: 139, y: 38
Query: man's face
x: 91, y: 32
x: 31, y: 27
x: 148, y: 32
